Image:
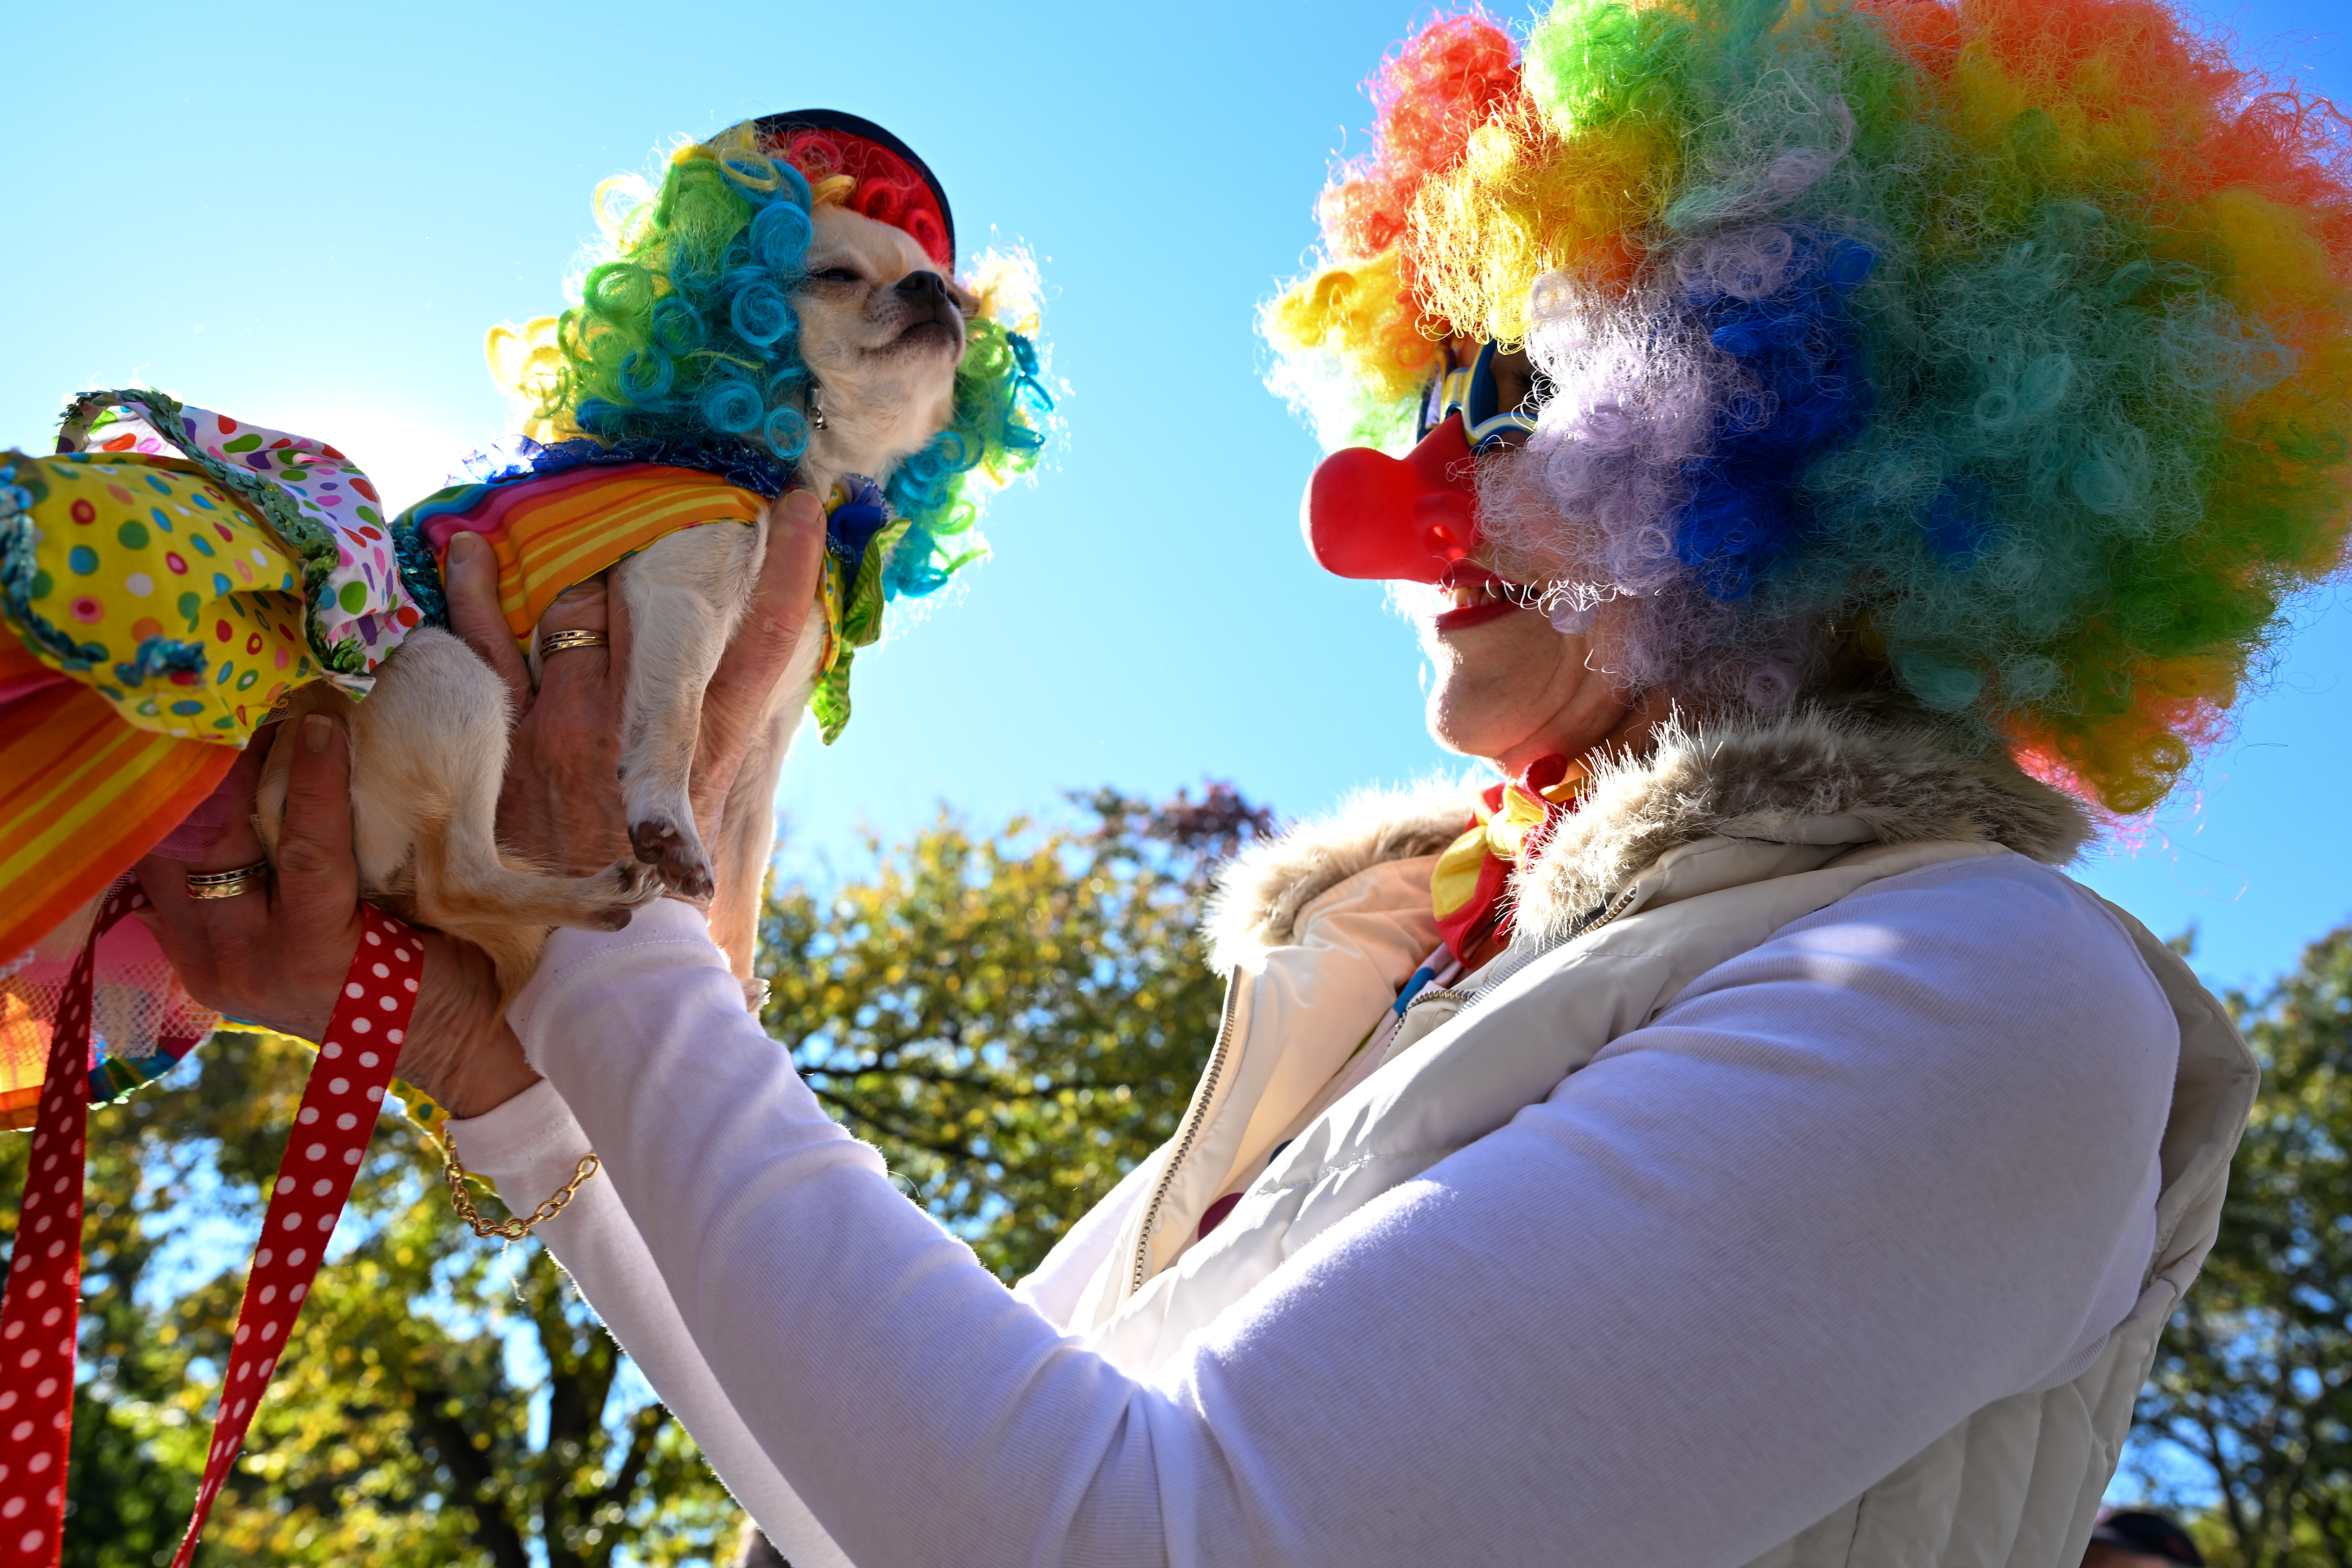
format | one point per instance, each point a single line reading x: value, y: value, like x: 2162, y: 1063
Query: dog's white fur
x: 882, y: 331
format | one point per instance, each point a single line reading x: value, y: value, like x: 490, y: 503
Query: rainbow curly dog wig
x: 1998, y: 347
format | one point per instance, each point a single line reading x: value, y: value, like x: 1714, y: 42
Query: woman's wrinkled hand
x: 783, y: 602
x: 276, y: 955
x: 561, y: 808
x: 559, y: 805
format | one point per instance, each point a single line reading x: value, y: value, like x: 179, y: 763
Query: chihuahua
x: 882, y: 331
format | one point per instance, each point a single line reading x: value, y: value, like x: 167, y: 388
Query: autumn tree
x: 2248, y: 1417
x: 438, y: 1403
x: 1015, y: 1018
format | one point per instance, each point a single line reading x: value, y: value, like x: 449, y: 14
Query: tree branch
x: 904, y: 1135
x: 493, y: 1531
x: 644, y: 1427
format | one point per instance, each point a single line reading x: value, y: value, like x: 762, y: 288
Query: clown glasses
x: 1493, y: 390
x: 1411, y: 519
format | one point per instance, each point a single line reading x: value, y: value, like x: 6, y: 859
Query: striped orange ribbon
x: 553, y: 532
x: 82, y: 795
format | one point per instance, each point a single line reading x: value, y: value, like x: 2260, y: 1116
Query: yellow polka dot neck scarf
x: 1510, y: 823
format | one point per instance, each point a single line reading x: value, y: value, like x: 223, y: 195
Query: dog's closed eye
x: 835, y: 274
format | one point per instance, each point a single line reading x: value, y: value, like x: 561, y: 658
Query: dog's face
x: 882, y: 331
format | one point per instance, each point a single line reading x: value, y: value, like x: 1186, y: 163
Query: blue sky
x: 308, y: 216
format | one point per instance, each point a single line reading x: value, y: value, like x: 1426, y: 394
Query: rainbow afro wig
x: 2002, y: 347
x: 683, y: 333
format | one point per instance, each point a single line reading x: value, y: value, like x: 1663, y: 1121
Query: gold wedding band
x: 227, y: 883
x: 557, y: 642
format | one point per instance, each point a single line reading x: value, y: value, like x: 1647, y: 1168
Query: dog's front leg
x: 685, y: 593
x: 747, y: 831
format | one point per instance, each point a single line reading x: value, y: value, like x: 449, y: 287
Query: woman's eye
x: 1515, y: 381
x: 834, y: 275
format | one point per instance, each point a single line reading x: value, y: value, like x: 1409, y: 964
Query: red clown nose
x: 1370, y: 514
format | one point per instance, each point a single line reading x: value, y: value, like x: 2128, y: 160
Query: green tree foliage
x: 2250, y: 1405
x: 1014, y: 1020
x: 431, y: 1410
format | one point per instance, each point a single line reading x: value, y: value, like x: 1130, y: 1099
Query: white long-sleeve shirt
x: 1893, y: 1165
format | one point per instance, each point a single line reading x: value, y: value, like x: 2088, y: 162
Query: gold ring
x: 227, y: 883
x: 557, y: 642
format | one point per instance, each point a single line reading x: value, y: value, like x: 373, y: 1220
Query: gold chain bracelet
x: 511, y: 1229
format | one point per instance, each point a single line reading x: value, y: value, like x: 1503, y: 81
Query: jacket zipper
x: 1606, y: 913
x: 1190, y: 1130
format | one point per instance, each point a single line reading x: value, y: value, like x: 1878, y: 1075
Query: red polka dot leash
x: 338, y: 1114
x: 314, y: 1179
x: 42, y: 1310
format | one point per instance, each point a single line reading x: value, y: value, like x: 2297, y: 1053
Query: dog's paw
x: 675, y: 855
x: 638, y: 882
x: 632, y: 884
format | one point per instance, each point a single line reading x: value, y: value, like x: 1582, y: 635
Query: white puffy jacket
x: 959, y: 1424
x: 1761, y: 828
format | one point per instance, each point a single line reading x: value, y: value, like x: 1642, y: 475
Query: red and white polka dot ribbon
x: 314, y: 1179
x: 42, y: 1311
x: 339, y: 1109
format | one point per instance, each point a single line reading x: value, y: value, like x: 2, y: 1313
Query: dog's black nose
x: 923, y: 285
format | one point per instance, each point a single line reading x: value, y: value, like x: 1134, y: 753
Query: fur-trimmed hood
x: 1814, y: 777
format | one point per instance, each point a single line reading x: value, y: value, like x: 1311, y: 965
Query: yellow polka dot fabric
x: 179, y: 607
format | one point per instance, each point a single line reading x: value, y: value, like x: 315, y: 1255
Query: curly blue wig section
x: 1002, y: 405
x: 691, y: 332
x: 1803, y: 391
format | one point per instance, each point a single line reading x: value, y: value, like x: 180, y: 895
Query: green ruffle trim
x: 21, y: 490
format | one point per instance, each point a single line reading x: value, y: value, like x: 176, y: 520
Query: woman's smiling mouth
x: 1479, y: 596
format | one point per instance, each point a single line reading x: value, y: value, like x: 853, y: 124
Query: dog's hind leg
x: 428, y: 753
x: 684, y: 595
x: 435, y: 733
